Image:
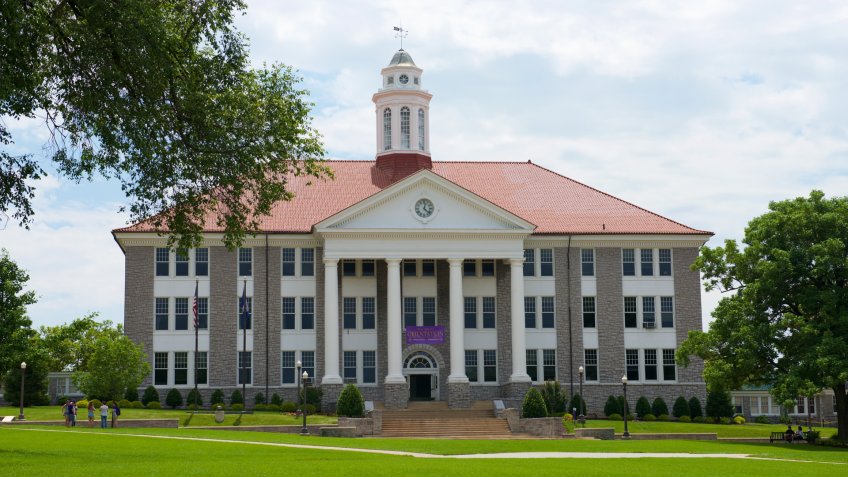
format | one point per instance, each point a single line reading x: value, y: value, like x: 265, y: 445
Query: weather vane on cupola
x: 401, y: 33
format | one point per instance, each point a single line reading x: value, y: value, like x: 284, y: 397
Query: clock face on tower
x: 424, y: 208
x: 403, y: 79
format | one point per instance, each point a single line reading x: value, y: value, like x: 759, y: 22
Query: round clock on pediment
x: 424, y: 208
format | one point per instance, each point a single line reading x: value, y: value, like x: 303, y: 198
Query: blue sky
x: 699, y: 111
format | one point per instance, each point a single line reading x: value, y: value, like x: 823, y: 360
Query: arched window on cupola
x: 421, y: 129
x: 387, y: 129
x: 404, y: 127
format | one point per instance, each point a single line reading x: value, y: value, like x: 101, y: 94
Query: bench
x: 779, y: 436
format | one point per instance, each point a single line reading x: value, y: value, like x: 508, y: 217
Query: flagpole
x: 196, y: 327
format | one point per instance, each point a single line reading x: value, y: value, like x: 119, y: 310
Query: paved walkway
x: 504, y: 455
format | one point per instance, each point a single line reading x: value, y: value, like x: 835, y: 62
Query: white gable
x: 454, y: 209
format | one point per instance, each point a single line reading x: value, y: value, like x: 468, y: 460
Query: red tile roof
x: 554, y: 203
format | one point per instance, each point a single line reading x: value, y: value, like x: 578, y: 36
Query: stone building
x: 422, y: 279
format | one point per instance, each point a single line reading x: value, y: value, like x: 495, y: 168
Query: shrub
x: 719, y: 404
x: 137, y: 405
x: 350, y: 403
x: 288, y: 406
x: 739, y: 420
x: 709, y: 420
x: 813, y: 436
x: 174, y: 398
x: 680, y: 408
x: 131, y: 394
x: 194, y: 397
x: 615, y: 417
x: 192, y: 407
x: 555, y: 400
x: 236, y: 397
x: 784, y: 419
x: 237, y: 407
x: 631, y: 417
x: 695, y: 408
x: 274, y: 407
x: 261, y: 407
x: 663, y: 417
x: 724, y: 420
x: 123, y: 403
x: 82, y: 404
x: 259, y: 399
x: 216, y: 405
x: 684, y: 418
x: 578, y: 404
x: 698, y: 419
x: 313, y: 396
x: 534, y: 404
x: 762, y: 420
x: 217, y: 397
x: 612, y: 407
x: 659, y: 407
x: 96, y: 403
x: 276, y: 400
x: 310, y: 408
x: 154, y: 405
x: 150, y: 395
x: 642, y: 406
x: 649, y: 417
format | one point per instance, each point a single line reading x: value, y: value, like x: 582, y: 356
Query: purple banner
x: 425, y: 335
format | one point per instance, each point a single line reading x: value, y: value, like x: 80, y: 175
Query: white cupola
x: 402, y: 109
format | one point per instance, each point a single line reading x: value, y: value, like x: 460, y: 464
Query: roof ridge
x: 619, y: 199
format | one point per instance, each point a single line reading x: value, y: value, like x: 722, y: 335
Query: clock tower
x: 402, y: 109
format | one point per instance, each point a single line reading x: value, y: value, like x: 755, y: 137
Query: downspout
x: 570, y: 328
x: 267, y: 321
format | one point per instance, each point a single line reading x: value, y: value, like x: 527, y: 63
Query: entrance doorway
x: 422, y: 373
x: 419, y: 387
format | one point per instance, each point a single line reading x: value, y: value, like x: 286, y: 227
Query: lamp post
x: 23, y: 376
x: 582, y: 417
x: 298, y: 365
x: 626, y: 434
x: 304, y: 431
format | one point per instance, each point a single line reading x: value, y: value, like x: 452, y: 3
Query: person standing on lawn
x: 116, y: 411
x: 90, y: 414
x: 72, y: 413
x: 104, y: 414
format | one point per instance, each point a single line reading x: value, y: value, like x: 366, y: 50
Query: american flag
x: 194, y: 305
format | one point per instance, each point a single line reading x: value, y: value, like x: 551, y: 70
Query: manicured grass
x: 54, y: 413
x: 722, y: 430
x: 92, y: 453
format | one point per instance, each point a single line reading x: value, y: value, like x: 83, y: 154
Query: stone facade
x: 397, y: 395
x: 139, y: 300
x: 459, y: 395
x: 223, y: 320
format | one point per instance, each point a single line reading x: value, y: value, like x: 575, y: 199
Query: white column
x: 393, y: 317
x: 457, y: 328
x: 519, y: 343
x: 331, y: 322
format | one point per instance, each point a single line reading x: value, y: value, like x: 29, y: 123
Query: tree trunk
x: 842, y: 411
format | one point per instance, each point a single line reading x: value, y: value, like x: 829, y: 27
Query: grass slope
x: 91, y: 453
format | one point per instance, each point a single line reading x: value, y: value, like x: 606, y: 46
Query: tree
x: 217, y: 397
x: 612, y: 406
x: 174, y: 398
x: 236, y: 397
x: 533, y: 405
x: 659, y: 407
x: 695, y: 409
x: 577, y: 404
x: 350, y: 402
x: 35, y: 384
x: 150, y: 395
x: 15, y: 331
x: 131, y: 394
x: 554, y: 398
x: 69, y: 346
x: 786, y: 322
x: 643, y: 406
x: 680, y: 408
x: 115, y: 364
x: 161, y: 97
x: 718, y: 404
x: 194, y: 397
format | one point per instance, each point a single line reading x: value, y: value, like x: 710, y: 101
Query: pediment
x: 453, y: 209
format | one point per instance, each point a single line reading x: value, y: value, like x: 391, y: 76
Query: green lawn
x: 97, y: 452
x: 54, y: 413
x: 723, y: 430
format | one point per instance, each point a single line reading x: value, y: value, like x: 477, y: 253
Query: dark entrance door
x: 419, y: 387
